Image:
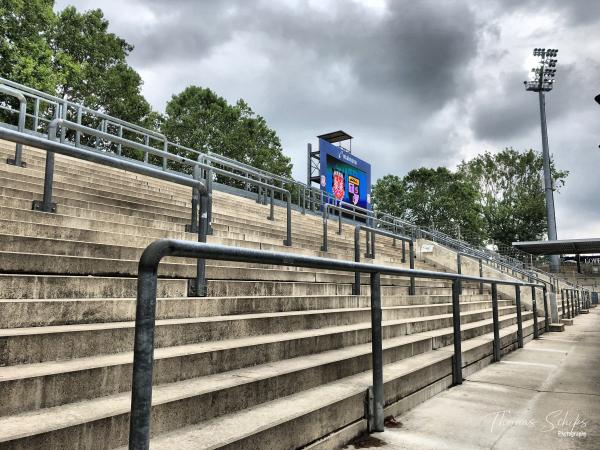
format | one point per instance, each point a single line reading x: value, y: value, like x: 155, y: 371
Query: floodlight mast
x: 542, y: 82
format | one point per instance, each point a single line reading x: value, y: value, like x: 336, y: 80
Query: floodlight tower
x: 542, y: 82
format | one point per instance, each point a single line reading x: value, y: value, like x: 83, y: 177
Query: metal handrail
x: 57, y: 100
x: 141, y: 398
x: 372, y: 232
x: 63, y: 124
x: 21, y: 121
x: 376, y: 219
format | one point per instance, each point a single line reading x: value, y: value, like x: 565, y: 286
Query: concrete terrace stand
x: 273, y: 358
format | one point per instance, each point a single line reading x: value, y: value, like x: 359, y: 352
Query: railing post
x: 457, y: 377
x: 536, y: 332
x: 288, y: 220
x: 77, y: 132
x: 546, y: 315
x: 562, y: 301
x: 192, y: 227
x: 569, y: 304
x: 166, y: 150
x: 497, y: 347
x: 372, y: 245
x: 411, y: 264
x: 325, y: 208
x: 36, y: 114
x: 519, y: 317
x: 46, y: 204
x: 377, y: 351
x: 480, y: 276
x: 459, y: 271
x: 18, y: 159
x: 403, y: 251
x: 200, y: 285
x: 209, y: 201
x: 356, y: 285
x: 141, y: 391
x: 272, y: 207
x: 147, y: 144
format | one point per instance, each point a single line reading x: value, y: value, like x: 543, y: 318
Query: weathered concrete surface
x: 544, y: 396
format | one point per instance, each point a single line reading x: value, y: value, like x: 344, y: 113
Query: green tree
x: 200, y: 119
x: 512, y: 193
x: 26, y: 28
x: 70, y: 54
x: 437, y: 198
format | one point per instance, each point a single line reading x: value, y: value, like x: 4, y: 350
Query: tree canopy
x: 70, y: 54
x: 436, y: 198
x: 199, y: 118
x: 512, y: 193
x: 490, y: 198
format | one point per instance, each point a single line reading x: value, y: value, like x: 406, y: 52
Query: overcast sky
x: 417, y: 83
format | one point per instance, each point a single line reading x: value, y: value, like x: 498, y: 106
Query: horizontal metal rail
x: 101, y: 158
x: 141, y: 399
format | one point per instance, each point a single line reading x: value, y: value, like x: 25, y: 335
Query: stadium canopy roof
x: 335, y: 136
x: 562, y: 247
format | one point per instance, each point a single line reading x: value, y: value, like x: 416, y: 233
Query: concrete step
x: 108, y: 416
x: 174, y: 364
x: 164, y: 223
x: 39, y: 344
x: 319, y: 412
x: 45, y: 312
x: 112, y: 190
x: 94, y: 173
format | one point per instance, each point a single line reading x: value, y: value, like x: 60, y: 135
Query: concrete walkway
x: 544, y: 396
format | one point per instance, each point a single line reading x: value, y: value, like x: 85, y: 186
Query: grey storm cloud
x: 416, y: 82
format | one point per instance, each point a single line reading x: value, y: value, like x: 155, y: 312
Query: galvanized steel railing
x: 46, y: 108
x: 141, y: 400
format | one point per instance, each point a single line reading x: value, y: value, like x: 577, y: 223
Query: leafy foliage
x: 436, y: 198
x: 512, y: 193
x: 199, y: 118
x: 491, y: 198
x: 70, y: 54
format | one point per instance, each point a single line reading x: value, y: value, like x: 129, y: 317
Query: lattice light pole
x: 542, y: 82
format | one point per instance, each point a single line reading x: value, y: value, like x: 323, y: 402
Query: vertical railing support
x: 411, y: 264
x: 372, y: 244
x: 546, y: 315
x: 459, y: 271
x: 480, y: 276
x: 497, y: 347
x: 46, y: 205
x: 519, y: 317
x: 536, y: 332
x: 272, y: 207
x: 562, y: 301
x: 325, y: 208
x: 356, y: 285
x: 288, y: 220
x: 457, y: 377
x: 377, y: 351
x: 403, y: 251
x: 200, y: 286
x: 192, y: 227
x: 18, y: 159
